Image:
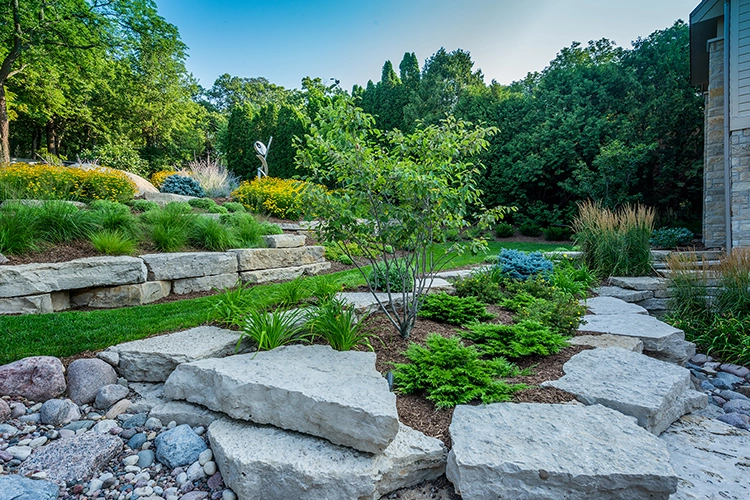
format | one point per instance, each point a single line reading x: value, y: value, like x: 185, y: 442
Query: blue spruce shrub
x: 521, y: 266
x: 671, y: 237
x: 179, y: 184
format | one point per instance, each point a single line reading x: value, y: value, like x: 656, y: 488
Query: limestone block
x: 530, y: 451
x: 154, y: 358
x: 121, y: 296
x: 366, y: 302
x: 30, y: 304
x: 612, y: 305
x: 184, y: 413
x: 639, y: 283
x: 284, y: 464
x: 255, y: 259
x: 656, y: 393
x: 606, y: 340
x: 164, y: 198
x: 204, y: 283
x: 284, y: 240
x: 338, y: 396
x: 623, y: 293
x: 30, y: 279
x: 174, y: 266
x: 284, y: 273
x: 60, y: 300
x: 654, y: 304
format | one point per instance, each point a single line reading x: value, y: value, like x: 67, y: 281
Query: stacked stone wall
x: 714, y: 222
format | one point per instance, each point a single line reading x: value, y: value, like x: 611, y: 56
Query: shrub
x: 479, y: 286
x: 17, y: 229
x: 671, y: 237
x: 58, y: 222
x: 504, y: 230
x: 114, y: 216
x: 272, y: 196
x: 170, y: 226
x: 233, y: 206
x: 179, y: 184
x: 391, y: 276
x: 342, y: 252
x: 158, y: 178
x: 526, y: 338
x: 536, y: 300
x: 556, y: 233
x: 571, y: 279
x: 121, y: 155
x: 112, y: 242
x: 212, y: 235
x: 143, y: 205
x: 270, y: 228
x: 529, y: 229
x: 517, y: 265
x: 337, y: 323
x: 203, y: 203
x: 453, y: 310
x: 274, y: 329
x: 247, y: 231
x: 450, y: 374
x: 213, y: 177
x: 48, y: 182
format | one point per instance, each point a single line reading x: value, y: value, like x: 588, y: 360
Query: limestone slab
x: 60, y: 300
x: 184, y: 413
x: 284, y: 240
x: 204, y: 283
x: 530, y: 451
x: 606, y: 340
x: 164, y: 198
x: 655, y: 304
x: 31, y: 279
x: 623, y: 293
x: 314, y: 389
x: 121, y: 296
x: 639, y: 282
x: 284, y: 273
x: 173, y: 266
x: 612, y: 305
x: 30, y: 304
x: 256, y: 259
x: 154, y: 358
x: 286, y: 464
x: 656, y: 393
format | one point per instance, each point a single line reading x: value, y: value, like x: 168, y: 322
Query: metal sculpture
x: 261, y: 151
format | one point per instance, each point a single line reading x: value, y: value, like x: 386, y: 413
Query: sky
x: 286, y: 40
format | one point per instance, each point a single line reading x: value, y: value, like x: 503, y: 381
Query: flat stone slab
x: 266, y: 463
x: 164, y: 198
x: 256, y: 259
x: 623, y: 293
x: 205, y: 283
x: 365, y: 302
x: 639, y: 283
x: 284, y: 240
x: 656, y: 393
x: 712, y: 459
x: 606, y: 340
x: 30, y: 304
x: 123, y: 295
x: 174, y: 266
x: 612, y: 305
x: 313, y: 389
x: 284, y: 273
x: 153, y: 359
x: 184, y: 413
x: 530, y: 451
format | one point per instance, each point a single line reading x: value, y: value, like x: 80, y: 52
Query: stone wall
x: 714, y: 223
x: 740, y: 185
x: 107, y: 282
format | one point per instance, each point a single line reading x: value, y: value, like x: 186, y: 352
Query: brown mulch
x: 61, y: 252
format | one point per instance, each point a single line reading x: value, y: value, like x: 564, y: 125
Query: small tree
x: 395, y: 191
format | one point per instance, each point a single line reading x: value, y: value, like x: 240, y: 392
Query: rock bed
x: 728, y: 388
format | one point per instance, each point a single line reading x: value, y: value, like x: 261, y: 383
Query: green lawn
x: 68, y: 333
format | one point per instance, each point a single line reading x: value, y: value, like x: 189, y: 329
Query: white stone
x: 623, y: 293
x: 612, y: 305
x: 153, y: 359
x: 284, y: 240
x: 121, y: 296
x: 606, y: 340
x: 656, y: 393
x: 639, y: 283
x: 313, y: 389
x: 205, y: 283
x: 530, y: 451
x: 205, y: 456
x: 30, y: 279
x: 19, y: 452
x: 195, y: 472
x: 173, y: 266
x: 104, y: 426
x: 181, y: 412
x: 255, y: 259
x: 284, y: 273
x: 209, y: 468
x: 30, y: 304
x: 284, y: 464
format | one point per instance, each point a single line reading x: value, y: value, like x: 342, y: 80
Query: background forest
x: 107, y: 80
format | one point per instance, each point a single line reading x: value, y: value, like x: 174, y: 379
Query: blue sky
x: 286, y: 40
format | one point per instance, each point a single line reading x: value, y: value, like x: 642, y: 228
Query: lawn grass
x: 68, y: 333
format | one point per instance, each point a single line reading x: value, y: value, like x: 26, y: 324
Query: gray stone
x: 79, y: 425
x: 724, y: 380
x: 121, y: 296
x: 172, y: 266
x: 5, y: 411
x: 85, y: 378
x: 654, y: 392
x: 654, y: 304
x: 612, y: 305
x: 163, y: 198
x: 137, y: 440
x: 135, y: 421
x: 3, y: 259
x: 109, y: 395
x: 145, y: 458
x: 30, y: 304
x: 110, y: 357
x: 734, y: 419
x: 255, y: 259
x: 736, y: 370
x: 366, y: 302
x: 639, y: 283
x: 74, y: 458
x: 59, y: 412
x: 30, y: 279
x: 37, y: 378
x: 710, y: 457
x: 15, y: 487
x: 153, y: 359
x: 737, y: 406
x: 179, y: 446
x: 623, y: 293
x: 104, y: 426
x: 338, y: 396
x: 606, y: 340
x: 730, y: 395
x: 60, y: 300
x: 184, y: 413
x: 204, y: 283
x: 283, y: 274
x: 286, y: 464
x: 118, y: 409
x: 525, y: 451
x: 657, y: 336
x: 284, y: 240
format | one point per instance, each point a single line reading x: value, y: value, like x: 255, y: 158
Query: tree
x: 405, y: 194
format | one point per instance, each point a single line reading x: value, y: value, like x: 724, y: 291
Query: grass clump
x: 18, y: 229
x: 526, y: 338
x: 112, y: 242
x: 59, y: 222
x: 233, y: 206
x: 453, y: 310
x: 170, y: 226
x: 337, y: 323
x: 269, y: 330
x: 211, y: 235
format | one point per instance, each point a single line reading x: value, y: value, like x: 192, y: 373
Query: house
x: 720, y: 65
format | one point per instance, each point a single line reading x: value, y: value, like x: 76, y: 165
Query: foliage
x: 213, y: 177
x: 671, y: 237
x: 537, y: 300
x: 170, y: 226
x: 615, y: 243
x: 574, y: 280
x: 337, y: 323
x: 233, y: 206
x: 232, y: 304
x: 270, y: 195
x: 59, y: 221
x: 504, y: 230
x: 526, y: 338
x: 724, y: 336
x: 17, y: 229
x: 180, y: 184
x: 390, y: 276
x: 158, y: 178
x: 517, y: 265
x: 530, y: 229
x: 115, y: 216
x: 479, y: 285
x: 120, y: 155
x: 112, y: 242
x: 48, y: 182
x: 212, y: 235
x: 450, y: 374
x: 556, y: 233
x: 453, y: 310
x: 273, y: 329
x: 143, y: 205
x: 343, y: 252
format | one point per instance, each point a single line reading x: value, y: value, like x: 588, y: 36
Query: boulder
x: 623, y: 293
x: 121, y: 296
x: 255, y: 259
x: 284, y: 240
x: 173, y: 266
x: 612, y: 305
x: 179, y: 446
x: 30, y: 279
x: 15, y: 487
x: 5, y: 411
x: 85, y: 378
x: 205, y: 283
x: 338, y: 396
x: 59, y: 412
x: 142, y: 185
x: 284, y: 273
x: 184, y: 413
x: 109, y: 395
x: 30, y: 304
x: 656, y: 393
x: 286, y: 464
x: 153, y: 359
x: 73, y: 458
x: 606, y: 340
x: 525, y: 451
x: 37, y: 378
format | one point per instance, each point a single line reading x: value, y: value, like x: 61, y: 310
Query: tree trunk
x: 4, y: 128
x: 51, y: 137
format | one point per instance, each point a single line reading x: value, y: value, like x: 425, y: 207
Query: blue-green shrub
x: 671, y: 237
x: 518, y: 265
x: 187, y: 186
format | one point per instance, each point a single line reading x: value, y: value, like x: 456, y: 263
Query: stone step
x: 266, y: 463
x: 507, y: 450
x: 639, y: 282
x: 312, y: 389
x: 660, y: 340
x: 623, y: 293
x: 606, y: 340
x: 656, y: 393
x: 612, y: 305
